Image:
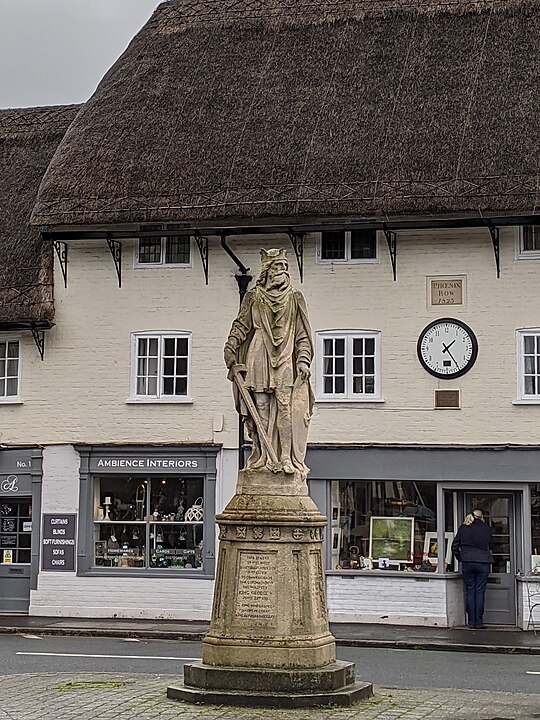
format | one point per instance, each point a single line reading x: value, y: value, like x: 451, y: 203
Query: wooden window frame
x: 160, y: 397
x: 349, y: 336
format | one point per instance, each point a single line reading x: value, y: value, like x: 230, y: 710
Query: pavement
x: 87, y: 696
x: 493, y: 639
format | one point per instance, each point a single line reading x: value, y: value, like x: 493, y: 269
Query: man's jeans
x: 475, y: 577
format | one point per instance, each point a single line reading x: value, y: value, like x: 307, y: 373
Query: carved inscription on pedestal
x: 256, y: 586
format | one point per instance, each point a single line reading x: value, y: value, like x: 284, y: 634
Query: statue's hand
x: 230, y: 357
x: 303, y: 371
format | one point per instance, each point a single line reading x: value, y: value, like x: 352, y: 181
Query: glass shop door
x: 15, y: 554
x: 499, y: 513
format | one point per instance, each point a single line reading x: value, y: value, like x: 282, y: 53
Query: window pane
x: 358, y: 346
x: 143, y: 346
x: 2, y: 368
x: 363, y: 244
x: 168, y: 386
x: 340, y: 346
x: 177, y: 250
x: 142, y: 366
x: 328, y: 347
x: 153, y: 347
x: 152, y: 366
x: 13, y: 350
x: 529, y: 363
x: 370, y: 346
x: 2, y: 388
x: 528, y: 344
x: 182, y: 346
x: 169, y: 348
x: 12, y: 368
x: 530, y: 385
x: 12, y: 387
x: 181, y: 366
x: 531, y: 237
x: 333, y: 245
x: 181, y: 386
x: 168, y: 366
x: 328, y: 386
x: 150, y: 250
x: 340, y: 385
x: 358, y: 365
x: 2, y: 349
x: 141, y: 386
x: 358, y: 385
x: 329, y: 366
x: 370, y: 365
x: 369, y: 384
x: 404, y: 520
x: 339, y: 366
x: 152, y: 386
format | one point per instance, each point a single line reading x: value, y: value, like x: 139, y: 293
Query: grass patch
x: 90, y: 685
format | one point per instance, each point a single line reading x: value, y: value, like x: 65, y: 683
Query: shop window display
x: 15, y: 531
x: 384, y: 525
x: 535, y: 527
x: 153, y: 522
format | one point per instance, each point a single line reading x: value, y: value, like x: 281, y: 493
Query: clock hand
x: 448, y: 351
x: 446, y: 347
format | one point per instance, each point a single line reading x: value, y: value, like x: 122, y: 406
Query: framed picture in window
x: 100, y: 548
x: 392, y: 538
x: 431, y: 547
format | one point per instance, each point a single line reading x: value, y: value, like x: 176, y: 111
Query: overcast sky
x: 54, y: 52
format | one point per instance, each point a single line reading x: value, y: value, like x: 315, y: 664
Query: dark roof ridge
x: 187, y: 13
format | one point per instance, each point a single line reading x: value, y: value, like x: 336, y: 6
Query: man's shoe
x: 481, y: 627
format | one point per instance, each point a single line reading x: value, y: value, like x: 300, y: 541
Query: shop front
x: 147, y: 510
x: 393, y: 512
x: 140, y: 520
x: 20, y: 502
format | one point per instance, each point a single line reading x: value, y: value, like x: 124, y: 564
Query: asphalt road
x: 388, y: 668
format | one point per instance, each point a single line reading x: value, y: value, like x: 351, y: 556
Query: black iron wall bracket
x: 61, y: 250
x: 115, y: 248
x: 391, y: 239
x: 297, y: 240
x: 495, y: 239
x: 39, y: 339
x: 202, y: 244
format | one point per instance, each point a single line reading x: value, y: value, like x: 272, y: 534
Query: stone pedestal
x: 269, y: 635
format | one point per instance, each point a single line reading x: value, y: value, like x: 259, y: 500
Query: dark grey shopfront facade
x: 147, y: 510
x: 431, y: 488
x: 20, y: 513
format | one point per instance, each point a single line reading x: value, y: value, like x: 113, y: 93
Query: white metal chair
x: 532, y: 593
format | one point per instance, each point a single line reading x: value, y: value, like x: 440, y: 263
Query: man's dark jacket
x: 473, y: 543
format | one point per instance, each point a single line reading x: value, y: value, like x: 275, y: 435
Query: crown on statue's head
x: 270, y: 256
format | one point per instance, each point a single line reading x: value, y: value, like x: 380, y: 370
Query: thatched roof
x: 28, y: 139
x: 258, y: 108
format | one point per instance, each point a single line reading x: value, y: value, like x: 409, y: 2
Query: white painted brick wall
x: 78, y: 394
x: 394, y: 601
x: 66, y: 595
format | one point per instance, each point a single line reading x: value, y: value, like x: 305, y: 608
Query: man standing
x: 472, y: 546
x: 269, y: 353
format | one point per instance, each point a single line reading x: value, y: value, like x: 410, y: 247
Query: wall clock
x: 447, y: 348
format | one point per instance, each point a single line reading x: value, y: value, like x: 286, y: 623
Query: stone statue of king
x: 269, y: 353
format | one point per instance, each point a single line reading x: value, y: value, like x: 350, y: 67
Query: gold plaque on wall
x: 448, y: 290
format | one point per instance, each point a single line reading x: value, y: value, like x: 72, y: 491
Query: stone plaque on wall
x: 446, y: 291
x: 256, y: 590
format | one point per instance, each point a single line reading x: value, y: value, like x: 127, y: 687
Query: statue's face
x: 278, y: 275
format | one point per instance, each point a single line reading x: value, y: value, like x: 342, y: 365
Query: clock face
x: 447, y: 348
